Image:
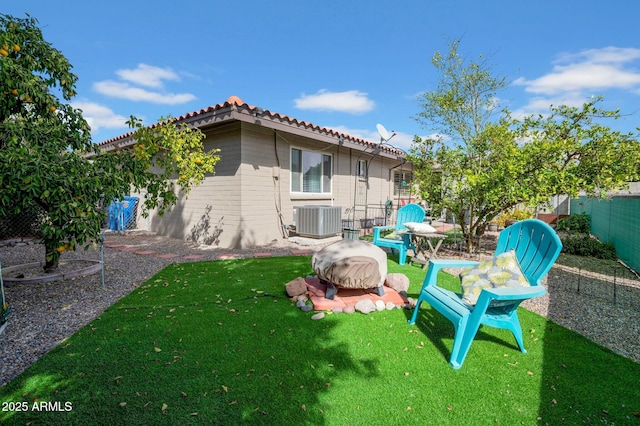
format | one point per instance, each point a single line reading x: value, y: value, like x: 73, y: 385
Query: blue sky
x: 347, y: 65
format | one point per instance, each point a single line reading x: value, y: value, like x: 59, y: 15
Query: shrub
x: 575, y: 224
x: 454, y: 236
x: 513, y: 215
x: 586, y: 245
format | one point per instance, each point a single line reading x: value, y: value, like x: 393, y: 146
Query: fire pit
x: 351, y: 264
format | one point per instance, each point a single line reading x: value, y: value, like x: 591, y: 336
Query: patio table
x: 425, y: 247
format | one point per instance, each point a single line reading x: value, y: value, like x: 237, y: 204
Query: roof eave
x: 234, y: 110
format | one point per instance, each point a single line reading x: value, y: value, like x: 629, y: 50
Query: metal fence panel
x: 615, y: 220
x: 22, y: 225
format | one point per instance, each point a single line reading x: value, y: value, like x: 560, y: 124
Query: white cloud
x: 575, y: 77
x: 99, y: 116
x: 588, y: 70
x: 143, y: 84
x: 365, y: 134
x: 126, y: 91
x: 541, y: 105
x: 400, y: 140
x: 351, y: 101
x: 609, y: 54
x: 148, y: 75
x: 583, y: 76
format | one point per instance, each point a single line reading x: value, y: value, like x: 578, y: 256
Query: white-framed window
x: 361, y: 168
x: 402, y: 182
x: 310, y: 172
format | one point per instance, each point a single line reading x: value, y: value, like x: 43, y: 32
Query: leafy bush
x: 454, y: 236
x: 575, y: 224
x: 586, y: 245
x: 516, y: 214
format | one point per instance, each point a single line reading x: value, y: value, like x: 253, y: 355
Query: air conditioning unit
x: 318, y: 221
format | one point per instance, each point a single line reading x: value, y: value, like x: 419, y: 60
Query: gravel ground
x: 43, y: 315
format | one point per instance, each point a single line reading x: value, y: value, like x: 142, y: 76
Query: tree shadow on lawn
x: 577, y: 380
x: 583, y: 381
x: 440, y: 332
x: 214, y: 343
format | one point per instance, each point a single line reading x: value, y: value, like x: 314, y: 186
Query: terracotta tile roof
x: 256, y: 111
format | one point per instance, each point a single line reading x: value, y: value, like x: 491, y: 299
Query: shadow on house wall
x: 203, y: 233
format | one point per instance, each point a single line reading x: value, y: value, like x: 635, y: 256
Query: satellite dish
x: 384, y: 135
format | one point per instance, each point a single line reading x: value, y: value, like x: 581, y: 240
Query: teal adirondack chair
x: 401, y: 241
x: 536, y: 247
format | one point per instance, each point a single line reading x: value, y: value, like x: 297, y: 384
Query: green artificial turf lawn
x: 220, y: 343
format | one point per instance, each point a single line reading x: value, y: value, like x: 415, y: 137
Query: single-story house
x: 270, y: 166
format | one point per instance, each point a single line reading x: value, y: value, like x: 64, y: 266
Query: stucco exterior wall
x: 248, y: 202
x: 211, y: 213
x: 259, y: 186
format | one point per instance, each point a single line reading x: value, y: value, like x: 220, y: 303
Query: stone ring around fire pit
x: 352, y: 264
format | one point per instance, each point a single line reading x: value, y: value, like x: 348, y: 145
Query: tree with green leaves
x: 48, y: 162
x: 483, y: 162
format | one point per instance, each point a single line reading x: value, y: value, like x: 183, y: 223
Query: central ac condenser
x: 318, y: 221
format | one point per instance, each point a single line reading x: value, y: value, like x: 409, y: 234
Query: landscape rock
x: 349, y: 309
x: 365, y: 306
x: 317, y: 316
x: 397, y: 281
x: 390, y: 306
x: 380, y: 306
x: 296, y: 287
x: 306, y: 308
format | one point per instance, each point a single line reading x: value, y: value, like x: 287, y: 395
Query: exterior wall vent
x: 318, y: 221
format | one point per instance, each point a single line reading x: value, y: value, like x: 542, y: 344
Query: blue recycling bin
x: 122, y: 213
